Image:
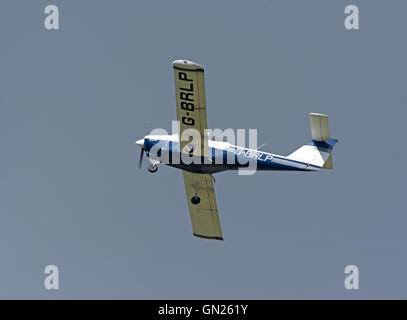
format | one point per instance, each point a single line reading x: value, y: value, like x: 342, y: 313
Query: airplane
x: 198, y: 176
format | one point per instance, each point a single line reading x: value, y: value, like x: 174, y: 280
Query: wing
x: 191, y: 103
x: 191, y: 113
x: 204, y: 215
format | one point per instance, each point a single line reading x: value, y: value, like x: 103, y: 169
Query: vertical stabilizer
x: 318, y: 151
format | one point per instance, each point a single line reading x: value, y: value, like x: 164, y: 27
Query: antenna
x: 261, y: 146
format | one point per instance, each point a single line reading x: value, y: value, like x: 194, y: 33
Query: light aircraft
x: 198, y: 179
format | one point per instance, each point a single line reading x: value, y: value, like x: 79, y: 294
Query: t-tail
x: 318, y: 151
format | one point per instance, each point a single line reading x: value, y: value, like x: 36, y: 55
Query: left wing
x: 204, y: 215
x: 191, y: 103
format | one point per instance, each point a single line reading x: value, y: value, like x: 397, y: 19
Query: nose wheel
x: 152, y: 168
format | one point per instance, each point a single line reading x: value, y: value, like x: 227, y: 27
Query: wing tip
x: 187, y: 65
x: 318, y: 114
x: 208, y: 237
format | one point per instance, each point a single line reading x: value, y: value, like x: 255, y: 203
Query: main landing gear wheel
x: 153, y: 168
x: 195, y: 200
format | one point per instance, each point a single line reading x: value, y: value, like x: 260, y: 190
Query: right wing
x: 191, y: 103
x: 204, y: 215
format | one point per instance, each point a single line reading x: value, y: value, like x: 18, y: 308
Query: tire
x: 195, y: 200
x: 153, y: 169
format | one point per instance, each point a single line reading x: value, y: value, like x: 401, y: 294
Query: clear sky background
x: 73, y: 101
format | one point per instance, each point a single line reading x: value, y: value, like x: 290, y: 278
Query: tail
x: 317, y: 152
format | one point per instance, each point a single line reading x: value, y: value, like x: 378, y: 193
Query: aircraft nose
x: 140, y: 142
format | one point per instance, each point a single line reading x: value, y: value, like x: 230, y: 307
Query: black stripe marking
x: 179, y: 68
x: 208, y: 237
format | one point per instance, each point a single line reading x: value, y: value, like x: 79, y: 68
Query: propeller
x: 141, y: 157
x: 140, y: 143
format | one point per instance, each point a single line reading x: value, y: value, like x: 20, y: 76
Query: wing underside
x: 204, y: 215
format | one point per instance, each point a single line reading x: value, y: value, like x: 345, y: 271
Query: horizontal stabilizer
x: 328, y: 163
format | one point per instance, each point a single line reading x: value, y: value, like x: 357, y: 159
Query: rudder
x: 320, y: 132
